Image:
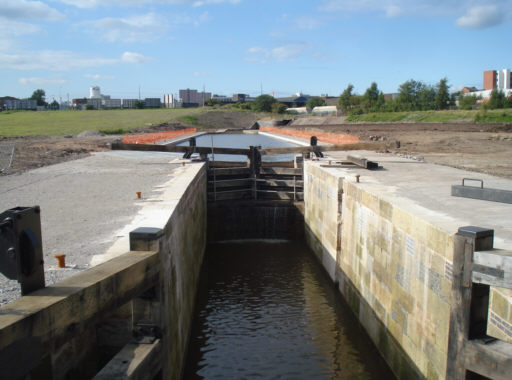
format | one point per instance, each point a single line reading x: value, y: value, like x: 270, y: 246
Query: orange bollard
x: 139, y: 194
x: 62, y: 260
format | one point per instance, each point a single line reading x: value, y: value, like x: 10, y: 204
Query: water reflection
x: 266, y: 311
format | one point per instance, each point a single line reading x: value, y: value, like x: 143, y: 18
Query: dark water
x: 240, y: 140
x: 267, y: 311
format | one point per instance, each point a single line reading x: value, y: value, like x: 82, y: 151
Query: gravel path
x: 84, y: 203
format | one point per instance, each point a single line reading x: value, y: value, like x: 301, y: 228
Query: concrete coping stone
x: 146, y: 233
x: 476, y: 232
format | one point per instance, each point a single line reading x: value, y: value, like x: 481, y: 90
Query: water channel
x: 240, y: 140
x: 266, y: 310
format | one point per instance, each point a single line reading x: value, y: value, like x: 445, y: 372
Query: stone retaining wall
x: 393, y: 268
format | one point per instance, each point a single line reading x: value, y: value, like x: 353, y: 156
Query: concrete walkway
x: 425, y: 189
x: 86, y: 205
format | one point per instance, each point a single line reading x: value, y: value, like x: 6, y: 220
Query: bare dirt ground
x: 484, y: 148
x: 35, y: 152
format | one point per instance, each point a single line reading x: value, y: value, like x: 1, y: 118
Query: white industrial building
x: 170, y: 101
x: 494, y: 79
x: 94, y: 92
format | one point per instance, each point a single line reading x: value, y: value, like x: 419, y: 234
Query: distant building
x: 94, y: 92
x: 330, y: 100
x: 152, y: 103
x: 95, y: 102
x: 297, y: 110
x: 20, y: 104
x: 222, y: 99
x: 111, y: 103
x: 3, y: 99
x: 467, y: 90
x: 497, y: 79
x: 493, y: 79
x: 325, y: 111
x: 193, y: 98
x: 240, y: 98
x: 299, y: 100
x: 171, y: 102
x: 79, y: 103
x: 129, y: 103
x: 391, y: 96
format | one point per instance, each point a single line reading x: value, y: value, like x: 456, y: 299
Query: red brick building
x: 490, y: 80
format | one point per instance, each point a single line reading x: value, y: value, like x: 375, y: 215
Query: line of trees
x: 415, y: 96
x: 412, y: 96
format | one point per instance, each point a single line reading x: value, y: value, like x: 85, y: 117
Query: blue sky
x: 243, y: 46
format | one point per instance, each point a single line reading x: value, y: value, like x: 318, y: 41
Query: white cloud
x: 17, y: 28
x: 130, y: 29
x: 131, y: 57
x: 468, y: 13
x: 282, y: 53
x: 393, y: 11
x: 62, y: 60
x: 287, y: 52
x: 41, y: 81
x: 141, y: 28
x: 307, y: 23
x: 481, y: 17
x: 127, y: 3
x: 98, y: 76
x: 203, y: 2
x: 23, y: 9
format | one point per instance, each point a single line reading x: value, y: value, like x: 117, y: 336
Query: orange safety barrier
x: 147, y: 138
x: 331, y: 138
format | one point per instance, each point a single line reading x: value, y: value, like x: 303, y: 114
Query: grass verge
x: 61, y: 123
x: 491, y: 116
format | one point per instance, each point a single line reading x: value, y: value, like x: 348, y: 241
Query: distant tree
x: 212, y: 102
x: 263, y: 103
x: 467, y: 102
x: 497, y: 100
x: 243, y: 106
x: 373, y: 99
x: 89, y: 107
x: 425, y: 97
x: 39, y: 96
x: 279, y: 107
x: 442, y: 98
x: 346, y: 99
x: 139, y: 104
x: 315, y: 101
x: 54, y: 105
x: 415, y: 95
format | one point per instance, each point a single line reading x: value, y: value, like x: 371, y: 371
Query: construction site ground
x: 86, y: 204
x: 474, y: 147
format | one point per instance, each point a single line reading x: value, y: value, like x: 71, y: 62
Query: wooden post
x: 255, y: 166
x: 466, y: 239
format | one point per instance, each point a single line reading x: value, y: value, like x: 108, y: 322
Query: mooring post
x: 314, y: 144
x: 148, y: 314
x: 254, y: 166
x: 463, y: 325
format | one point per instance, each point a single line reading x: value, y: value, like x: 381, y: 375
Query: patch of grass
x: 494, y: 116
x: 416, y: 116
x: 189, y: 119
x: 118, y: 131
x: 379, y: 117
x: 61, y: 123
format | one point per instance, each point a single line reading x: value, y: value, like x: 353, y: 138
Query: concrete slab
x: 86, y: 205
x: 425, y: 189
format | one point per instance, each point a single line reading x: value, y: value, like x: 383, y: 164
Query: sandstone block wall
x: 393, y: 268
